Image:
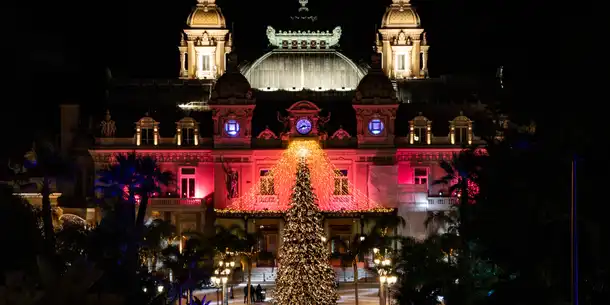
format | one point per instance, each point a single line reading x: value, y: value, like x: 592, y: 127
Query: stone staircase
x: 268, y: 274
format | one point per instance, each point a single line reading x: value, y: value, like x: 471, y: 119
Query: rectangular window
x: 187, y: 182
x: 188, y: 136
x: 419, y: 135
x: 400, y: 62
x: 341, y: 183
x: 267, y: 184
x: 205, y: 64
x: 420, y: 176
x: 147, y: 136
x: 460, y: 135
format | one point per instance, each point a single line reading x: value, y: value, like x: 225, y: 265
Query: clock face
x: 303, y: 126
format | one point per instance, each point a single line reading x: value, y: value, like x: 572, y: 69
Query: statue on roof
x: 108, y: 126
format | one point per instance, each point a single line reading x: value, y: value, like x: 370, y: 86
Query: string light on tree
x: 323, y: 178
x: 305, y: 276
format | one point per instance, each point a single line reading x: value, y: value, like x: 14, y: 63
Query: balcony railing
x: 442, y: 201
x: 194, y: 202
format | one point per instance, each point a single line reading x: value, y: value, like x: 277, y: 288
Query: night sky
x: 62, y: 48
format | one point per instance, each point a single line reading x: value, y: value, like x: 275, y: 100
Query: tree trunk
x: 356, y: 280
x: 249, y: 280
x: 47, y: 215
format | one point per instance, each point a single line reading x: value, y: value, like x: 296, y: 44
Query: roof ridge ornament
x: 276, y: 38
x: 303, y: 7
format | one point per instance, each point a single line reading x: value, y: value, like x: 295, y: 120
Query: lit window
x: 376, y: 126
x: 267, y: 183
x: 187, y: 182
x: 232, y: 128
x: 461, y: 135
x: 205, y: 65
x: 420, y: 176
x: 188, y: 136
x: 419, y: 135
x: 400, y: 62
x: 147, y: 136
x: 341, y: 183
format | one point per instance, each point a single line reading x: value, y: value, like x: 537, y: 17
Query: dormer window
x: 460, y: 130
x: 187, y: 132
x: 148, y: 136
x: 420, y: 130
x: 147, y: 131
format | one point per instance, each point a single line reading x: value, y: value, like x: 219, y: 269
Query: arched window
x: 187, y: 132
x: 460, y: 130
x: 420, y: 130
x: 147, y: 131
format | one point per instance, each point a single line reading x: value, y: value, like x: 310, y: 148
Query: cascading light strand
x: 334, y: 192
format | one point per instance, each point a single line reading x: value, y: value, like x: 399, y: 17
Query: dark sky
x: 63, y: 47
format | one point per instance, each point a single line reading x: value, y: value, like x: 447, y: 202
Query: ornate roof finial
x: 375, y: 61
x: 232, y: 62
x: 303, y: 7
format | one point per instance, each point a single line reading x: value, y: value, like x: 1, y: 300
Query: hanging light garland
x: 272, y: 191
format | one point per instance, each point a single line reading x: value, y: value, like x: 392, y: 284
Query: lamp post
x: 383, y: 264
x: 221, y: 276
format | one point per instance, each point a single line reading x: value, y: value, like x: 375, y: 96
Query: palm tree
x: 44, y: 160
x: 189, y: 264
x: 442, y: 221
x: 383, y: 233
x: 156, y: 235
x: 354, y: 249
x: 424, y: 274
x: 133, y: 176
x: 238, y: 241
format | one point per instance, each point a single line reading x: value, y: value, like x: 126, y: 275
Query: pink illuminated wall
x: 204, y: 177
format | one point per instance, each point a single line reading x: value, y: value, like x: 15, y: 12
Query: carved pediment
x: 340, y: 134
x: 267, y: 134
x: 303, y: 106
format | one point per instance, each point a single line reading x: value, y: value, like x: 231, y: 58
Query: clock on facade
x: 375, y: 126
x: 232, y: 128
x: 303, y: 126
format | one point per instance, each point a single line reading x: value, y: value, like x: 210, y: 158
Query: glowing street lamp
x: 221, y: 277
x: 383, y: 263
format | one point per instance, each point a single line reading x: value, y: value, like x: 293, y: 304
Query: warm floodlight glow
x: 323, y: 177
x: 303, y: 152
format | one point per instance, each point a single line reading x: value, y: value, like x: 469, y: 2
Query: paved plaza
x: 367, y: 294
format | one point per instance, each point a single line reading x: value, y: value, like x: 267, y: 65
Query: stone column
x: 199, y: 64
x: 182, y: 63
x: 415, y: 58
x: 425, y: 61
x: 220, y: 57
x: 393, y: 67
x: 409, y: 63
x: 388, y: 56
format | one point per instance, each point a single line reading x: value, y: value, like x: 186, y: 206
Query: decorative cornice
x: 425, y: 156
x: 160, y: 156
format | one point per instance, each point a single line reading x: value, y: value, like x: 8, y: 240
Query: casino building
x: 374, y: 134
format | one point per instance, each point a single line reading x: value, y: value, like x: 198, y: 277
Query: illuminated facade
x: 230, y: 132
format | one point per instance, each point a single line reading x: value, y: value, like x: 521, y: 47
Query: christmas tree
x: 305, y: 276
